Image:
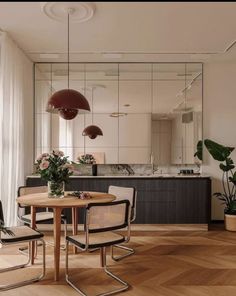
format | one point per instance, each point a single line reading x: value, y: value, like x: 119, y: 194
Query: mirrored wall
x: 148, y: 112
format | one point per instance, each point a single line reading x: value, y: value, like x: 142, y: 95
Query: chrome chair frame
x: 23, y: 238
x: 24, y: 265
x: 130, y: 251
x: 102, y: 252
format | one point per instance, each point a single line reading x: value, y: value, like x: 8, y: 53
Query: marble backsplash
x: 131, y: 169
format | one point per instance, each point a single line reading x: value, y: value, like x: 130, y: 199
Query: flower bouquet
x: 54, y: 168
x: 87, y: 159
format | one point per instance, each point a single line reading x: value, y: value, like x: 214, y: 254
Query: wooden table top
x: 42, y: 200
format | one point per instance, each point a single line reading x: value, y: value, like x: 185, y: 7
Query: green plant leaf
x: 217, y: 194
x: 233, y: 178
x: 198, y: 153
x: 218, y: 151
x: 226, y: 168
x: 231, y: 207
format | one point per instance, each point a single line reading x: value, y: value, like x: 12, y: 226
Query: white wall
x: 219, y: 109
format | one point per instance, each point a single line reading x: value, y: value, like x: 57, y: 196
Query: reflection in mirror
x: 147, y: 111
x: 135, y: 96
x: 176, y: 113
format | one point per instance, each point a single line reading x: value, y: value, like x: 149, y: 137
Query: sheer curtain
x: 15, y: 69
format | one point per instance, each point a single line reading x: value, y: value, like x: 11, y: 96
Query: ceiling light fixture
x: 92, y: 131
x: 68, y: 102
x: 118, y: 114
x: 188, y: 87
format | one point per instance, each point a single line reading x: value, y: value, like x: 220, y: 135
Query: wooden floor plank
x: 166, y: 263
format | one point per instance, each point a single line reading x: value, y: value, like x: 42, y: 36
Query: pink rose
x: 84, y: 195
x: 44, y: 155
x: 58, y: 153
x: 44, y: 165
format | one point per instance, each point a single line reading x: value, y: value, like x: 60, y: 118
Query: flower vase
x: 56, y: 189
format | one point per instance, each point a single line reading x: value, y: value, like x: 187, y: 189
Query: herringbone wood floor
x: 166, y: 263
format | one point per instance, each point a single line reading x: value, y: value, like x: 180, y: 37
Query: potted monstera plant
x: 228, y: 195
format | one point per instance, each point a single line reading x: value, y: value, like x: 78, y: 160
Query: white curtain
x: 13, y: 68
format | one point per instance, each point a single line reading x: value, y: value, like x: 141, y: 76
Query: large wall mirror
x: 148, y: 112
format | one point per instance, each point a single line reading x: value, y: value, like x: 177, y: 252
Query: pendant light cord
x: 51, y: 89
x: 68, y: 49
x: 92, y: 104
x: 118, y: 118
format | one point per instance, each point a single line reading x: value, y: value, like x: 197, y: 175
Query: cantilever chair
x: 20, y: 234
x: 41, y: 217
x: 101, y: 221
x: 122, y: 193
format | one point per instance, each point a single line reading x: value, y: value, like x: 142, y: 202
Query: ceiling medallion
x: 81, y: 11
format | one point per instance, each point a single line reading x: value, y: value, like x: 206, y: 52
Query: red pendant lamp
x: 68, y: 102
x: 92, y: 131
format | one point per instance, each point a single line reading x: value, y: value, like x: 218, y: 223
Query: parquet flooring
x: 166, y: 263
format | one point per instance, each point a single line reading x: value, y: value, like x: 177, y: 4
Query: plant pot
x: 56, y: 189
x: 230, y: 222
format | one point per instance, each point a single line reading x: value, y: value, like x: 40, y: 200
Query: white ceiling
x: 142, y: 31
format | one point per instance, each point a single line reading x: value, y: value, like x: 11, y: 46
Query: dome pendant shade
x: 68, y: 114
x: 92, y: 131
x: 68, y: 99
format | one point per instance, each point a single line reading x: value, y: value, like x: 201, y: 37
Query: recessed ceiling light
x: 118, y: 114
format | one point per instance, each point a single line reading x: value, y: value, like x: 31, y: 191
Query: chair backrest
x: 23, y: 190
x: 1, y: 213
x: 122, y: 193
x: 102, y: 217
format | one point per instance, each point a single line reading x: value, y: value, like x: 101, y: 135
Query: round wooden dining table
x: 41, y: 200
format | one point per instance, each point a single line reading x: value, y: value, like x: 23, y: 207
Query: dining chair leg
x: 130, y: 252
x: 112, y: 275
x: 25, y: 250
x: 67, y: 272
x: 25, y: 282
x: 93, y: 250
x: 104, y: 266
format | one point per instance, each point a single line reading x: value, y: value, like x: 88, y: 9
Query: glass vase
x: 56, y: 189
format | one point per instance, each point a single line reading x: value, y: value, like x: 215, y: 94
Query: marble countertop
x: 137, y: 176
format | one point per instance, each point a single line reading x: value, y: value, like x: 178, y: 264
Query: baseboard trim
x: 143, y: 227
x: 217, y: 221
